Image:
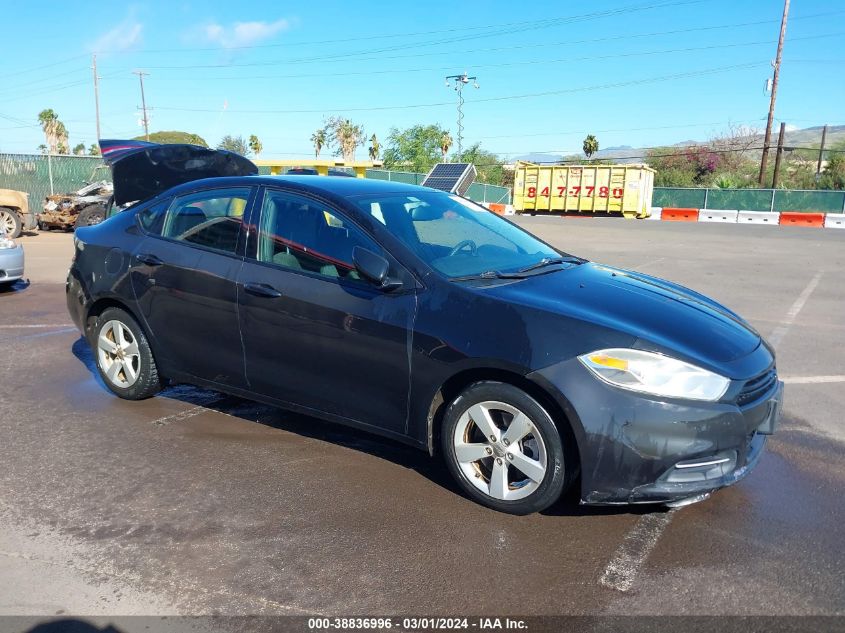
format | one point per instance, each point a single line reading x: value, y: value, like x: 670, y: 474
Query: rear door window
x: 212, y: 219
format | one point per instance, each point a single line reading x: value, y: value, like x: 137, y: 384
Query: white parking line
x: 780, y: 331
x: 638, y: 543
x: 811, y: 380
x: 635, y: 548
x: 184, y: 415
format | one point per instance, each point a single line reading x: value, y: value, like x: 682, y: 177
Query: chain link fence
x: 41, y: 176
x: 751, y: 199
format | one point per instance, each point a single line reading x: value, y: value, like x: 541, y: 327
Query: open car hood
x: 142, y: 170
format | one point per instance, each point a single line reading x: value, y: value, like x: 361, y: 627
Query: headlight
x: 6, y: 242
x: 655, y: 374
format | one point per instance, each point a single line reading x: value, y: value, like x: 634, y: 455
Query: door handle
x: 149, y: 260
x: 262, y: 290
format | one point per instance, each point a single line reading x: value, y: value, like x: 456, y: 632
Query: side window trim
x: 257, y: 220
x: 239, y: 252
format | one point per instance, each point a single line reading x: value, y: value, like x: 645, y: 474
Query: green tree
x: 255, y: 145
x: 42, y: 148
x: 79, y: 149
x: 833, y: 176
x: 344, y: 136
x: 318, y: 139
x: 489, y: 166
x: 375, y: 147
x: 174, y: 137
x: 55, y: 132
x: 235, y: 144
x: 94, y: 149
x: 416, y: 148
x: 591, y: 146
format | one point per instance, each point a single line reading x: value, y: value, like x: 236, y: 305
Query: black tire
x: 148, y: 382
x: 90, y: 215
x: 554, y: 480
x: 10, y: 219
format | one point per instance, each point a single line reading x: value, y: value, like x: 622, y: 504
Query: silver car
x: 11, y: 260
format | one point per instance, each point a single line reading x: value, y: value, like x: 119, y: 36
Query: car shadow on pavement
x: 17, y: 286
x: 347, y: 437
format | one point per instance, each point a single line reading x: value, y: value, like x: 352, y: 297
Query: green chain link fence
x: 751, y: 199
x: 40, y: 175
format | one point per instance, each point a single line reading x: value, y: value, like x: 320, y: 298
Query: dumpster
x: 607, y: 189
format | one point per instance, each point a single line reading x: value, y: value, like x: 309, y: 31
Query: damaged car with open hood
x: 421, y: 316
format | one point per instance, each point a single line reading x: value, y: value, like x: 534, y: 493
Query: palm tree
x: 54, y: 130
x: 375, y: 147
x: 445, y: 144
x: 255, y: 145
x: 318, y: 138
x: 591, y: 146
x: 348, y: 136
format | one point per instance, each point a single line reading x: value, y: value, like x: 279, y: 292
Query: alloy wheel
x: 500, y: 450
x: 118, y: 354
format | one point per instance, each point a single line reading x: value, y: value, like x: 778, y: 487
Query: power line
x: 696, y: 73
x: 347, y: 57
x: 532, y: 62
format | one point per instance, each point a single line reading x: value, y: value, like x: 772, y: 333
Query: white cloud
x: 243, y: 33
x: 122, y: 37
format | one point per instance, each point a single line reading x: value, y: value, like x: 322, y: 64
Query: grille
x: 757, y: 387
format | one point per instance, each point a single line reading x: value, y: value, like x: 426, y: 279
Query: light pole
x: 459, y: 82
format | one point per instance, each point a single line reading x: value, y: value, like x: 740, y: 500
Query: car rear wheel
x: 10, y: 223
x: 124, y: 359
x: 503, y: 448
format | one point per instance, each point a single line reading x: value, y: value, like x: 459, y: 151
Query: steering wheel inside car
x: 473, y: 249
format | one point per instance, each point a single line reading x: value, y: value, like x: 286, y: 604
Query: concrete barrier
x: 656, y: 212
x: 717, y: 215
x: 758, y: 217
x: 834, y: 221
x: 797, y: 218
x: 673, y: 214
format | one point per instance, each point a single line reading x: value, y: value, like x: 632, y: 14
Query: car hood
x: 657, y: 312
x: 142, y: 170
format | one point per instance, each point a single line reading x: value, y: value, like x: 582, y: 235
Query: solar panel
x: 451, y: 177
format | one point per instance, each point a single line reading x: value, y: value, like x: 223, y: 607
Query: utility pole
x: 96, y: 93
x: 460, y: 81
x: 821, y: 151
x: 778, y: 155
x: 145, y: 118
x: 768, y: 138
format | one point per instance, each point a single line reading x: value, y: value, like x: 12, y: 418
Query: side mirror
x: 374, y: 268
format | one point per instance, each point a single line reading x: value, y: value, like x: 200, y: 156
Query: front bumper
x: 11, y: 264
x: 639, y: 449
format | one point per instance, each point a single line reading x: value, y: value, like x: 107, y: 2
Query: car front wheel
x: 124, y: 359
x: 503, y: 448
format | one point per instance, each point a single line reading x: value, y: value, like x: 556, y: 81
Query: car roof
x: 337, y: 185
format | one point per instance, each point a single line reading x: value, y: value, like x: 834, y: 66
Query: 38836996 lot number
x: 575, y: 192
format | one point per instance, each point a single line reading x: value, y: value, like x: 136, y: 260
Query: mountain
x: 807, y: 137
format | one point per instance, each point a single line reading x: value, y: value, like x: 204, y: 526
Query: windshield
x: 455, y: 236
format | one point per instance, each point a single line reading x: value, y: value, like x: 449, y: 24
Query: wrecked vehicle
x: 424, y: 317
x: 15, y: 215
x: 85, y: 207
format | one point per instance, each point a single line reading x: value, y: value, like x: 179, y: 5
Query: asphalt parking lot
x: 197, y: 503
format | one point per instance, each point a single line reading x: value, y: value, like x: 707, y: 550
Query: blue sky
x: 633, y: 72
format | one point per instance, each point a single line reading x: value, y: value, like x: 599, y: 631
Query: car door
x: 184, y: 276
x: 316, y: 334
